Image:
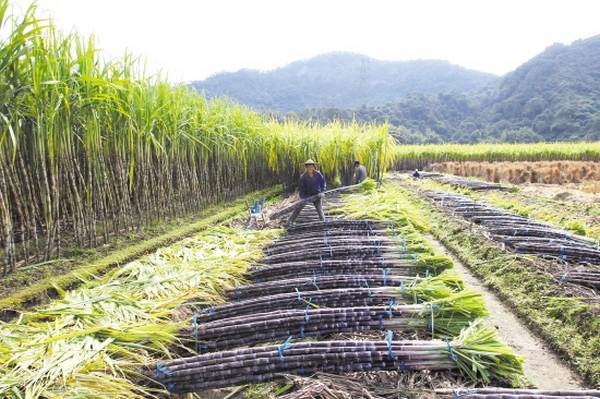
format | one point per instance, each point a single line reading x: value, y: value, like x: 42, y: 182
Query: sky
x: 193, y: 39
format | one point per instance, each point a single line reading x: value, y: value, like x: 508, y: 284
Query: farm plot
x: 551, y: 288
x: 323, y: 283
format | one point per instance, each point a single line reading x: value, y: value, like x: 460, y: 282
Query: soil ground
x: 544, y: 369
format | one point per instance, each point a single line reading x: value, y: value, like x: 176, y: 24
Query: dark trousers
x: 298, y: 209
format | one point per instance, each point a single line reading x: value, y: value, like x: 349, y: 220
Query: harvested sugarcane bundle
x: 328, y: 240
x: 417, y: 290
x: 329, y: 234
x: 244, y: 292
x: 522, y: 234
x: 394, y: 264
x: 384, y: 267
x: 333, y: 250
x: 279, y: 286
x: 477, y: 353
x: 459, y: 182
x: 329, y: 267
x: 339, y: 224
x: 445, y: 316
x: 587, y: 276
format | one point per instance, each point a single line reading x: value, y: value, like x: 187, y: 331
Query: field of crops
x: 96, y: 158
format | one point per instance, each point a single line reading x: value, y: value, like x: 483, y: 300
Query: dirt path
x: 541, y: 366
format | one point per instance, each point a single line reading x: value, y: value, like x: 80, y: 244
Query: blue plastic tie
x: 314, y: 283
x: 390, y: 334
x: 401, y: 365
x: 256, y: 277
x: 368, y: 288
x: 302, y: 331
x: 452, y: 354
x: 380, y: 323
x: 306, y: 316
x: 159, y: 369
x: 299, y: 298
x: 459, y: 395
x: 170, y: 386
x: 402, y: 288
x: 414, y: 257
x: 209, y: 311
x: 391, y: 303
x: 385, y: 273
x: 237, y: 294
x: 281, y: 348
x: 195, y: 323
x: 564, y: 276
x: 426, y: 273
x: 564, y: 257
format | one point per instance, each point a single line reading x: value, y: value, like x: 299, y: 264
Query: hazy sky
x: 193, y: 39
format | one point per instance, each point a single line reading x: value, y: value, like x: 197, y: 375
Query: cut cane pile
x: 341, y: 276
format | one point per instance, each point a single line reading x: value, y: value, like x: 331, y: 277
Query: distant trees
x: 553, y: 97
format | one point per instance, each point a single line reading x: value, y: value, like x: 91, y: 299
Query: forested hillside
x: 342, y: 80
x: 555, y: 96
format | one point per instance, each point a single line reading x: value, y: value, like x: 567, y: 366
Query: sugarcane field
x: 157, y: 243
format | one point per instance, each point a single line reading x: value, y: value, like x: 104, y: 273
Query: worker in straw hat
x: 311, y: 187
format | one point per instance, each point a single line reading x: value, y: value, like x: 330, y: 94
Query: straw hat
x: 309, y: 162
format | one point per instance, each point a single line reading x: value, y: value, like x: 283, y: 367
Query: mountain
x: 555, y: 96
x: 342, y: 80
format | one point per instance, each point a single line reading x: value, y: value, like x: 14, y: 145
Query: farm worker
x: 311, y: 187
x: 416, y: 175
x: 360, y: 173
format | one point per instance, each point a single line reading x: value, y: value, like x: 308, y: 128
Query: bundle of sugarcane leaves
x: 447, y: 315
x: 476, y: 352
x: 400, y: 290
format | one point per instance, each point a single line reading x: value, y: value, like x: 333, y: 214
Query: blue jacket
x: 309, y: 187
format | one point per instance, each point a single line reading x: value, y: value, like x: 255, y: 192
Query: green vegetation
x: 326, y: 86
x: 566, y: 323
x: 93, y: 341
x: 552, y: 97
x: 93, y: 150
x: 35, y: 289
x: 408, y: 157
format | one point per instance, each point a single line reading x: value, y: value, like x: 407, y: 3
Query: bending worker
x: 311, y: 187
x: 360, y: 173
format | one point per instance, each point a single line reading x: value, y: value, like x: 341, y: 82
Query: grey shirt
x: 360, y: 174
